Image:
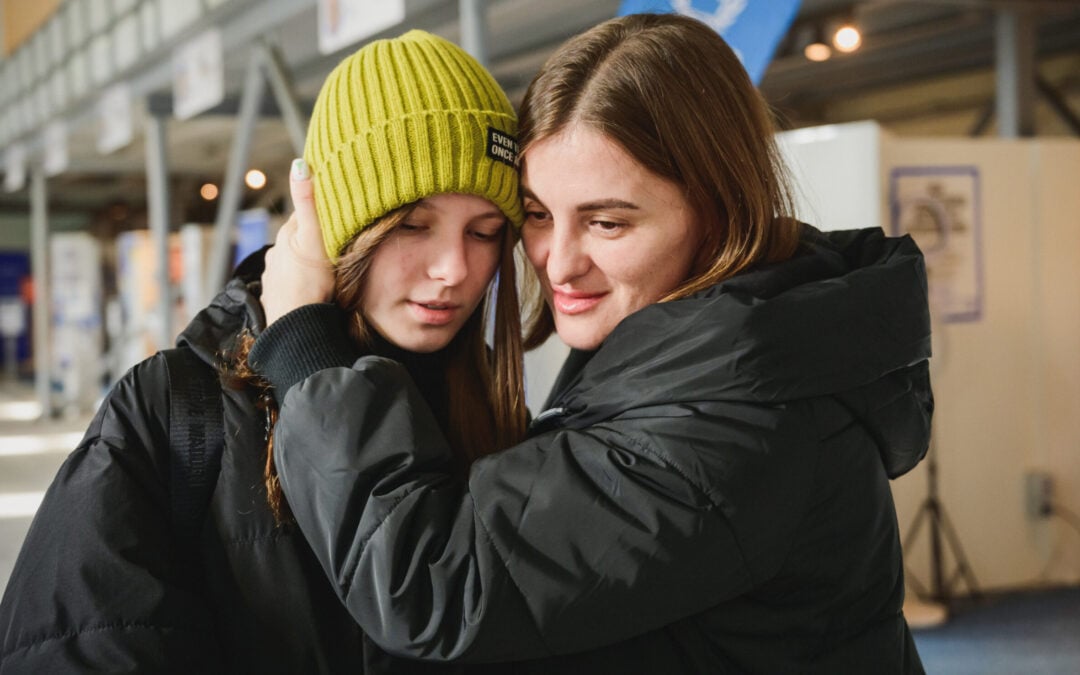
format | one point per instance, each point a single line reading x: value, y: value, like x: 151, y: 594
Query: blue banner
x: 753, y: 28
x: 252, y: 233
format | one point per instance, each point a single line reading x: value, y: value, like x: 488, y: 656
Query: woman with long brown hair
x: 419, y: 216
x: 707, y: 489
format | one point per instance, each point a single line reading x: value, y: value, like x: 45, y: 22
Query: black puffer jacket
x: 708, y: 492
x: 98, y: 586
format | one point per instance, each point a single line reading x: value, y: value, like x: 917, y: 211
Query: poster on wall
x: 939, y: 207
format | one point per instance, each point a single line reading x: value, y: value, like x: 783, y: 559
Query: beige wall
x: 1007, y: 385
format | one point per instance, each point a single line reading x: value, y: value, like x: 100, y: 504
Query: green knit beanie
x: 404, y: 119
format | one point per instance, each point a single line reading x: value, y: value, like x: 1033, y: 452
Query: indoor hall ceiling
x: 911, y: 47
x: 925, y: 67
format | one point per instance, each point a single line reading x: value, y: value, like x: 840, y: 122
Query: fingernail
x: 300, y: 170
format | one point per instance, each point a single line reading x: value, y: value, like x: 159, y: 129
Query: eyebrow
x: 607, y: 204
x: 598, y: 205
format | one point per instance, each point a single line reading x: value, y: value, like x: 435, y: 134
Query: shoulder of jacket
x: 137, y: 406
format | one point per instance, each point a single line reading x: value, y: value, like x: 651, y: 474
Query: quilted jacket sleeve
x: 569, y: 541
x: 96, y: 587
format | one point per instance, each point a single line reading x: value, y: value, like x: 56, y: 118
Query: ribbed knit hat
x: 404, y: 119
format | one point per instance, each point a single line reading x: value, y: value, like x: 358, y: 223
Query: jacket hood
x: 849, y: 310
x: 213, y: 330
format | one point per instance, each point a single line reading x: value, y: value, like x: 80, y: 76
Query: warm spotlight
x: 817, y: 51
x: 847, y: 38
x: 208, y: 191
x: 255, y: 179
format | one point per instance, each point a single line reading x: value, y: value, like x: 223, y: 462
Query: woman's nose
x: 567, y: 258
x: 449, y: 262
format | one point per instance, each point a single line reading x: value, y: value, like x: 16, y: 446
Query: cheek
x: 483, y: 262
x: 391, y: 273
x: 487, y: 257
x: 381, y: 271
x: 643, y: 275
x: 627, y: 261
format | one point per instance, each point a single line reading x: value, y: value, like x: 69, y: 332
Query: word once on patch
x: 502, y: 147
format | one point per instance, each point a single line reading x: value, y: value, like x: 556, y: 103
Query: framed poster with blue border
x: 939, y: 206
x: 753, y: 28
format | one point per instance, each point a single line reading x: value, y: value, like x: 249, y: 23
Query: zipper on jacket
x: 545, y: 421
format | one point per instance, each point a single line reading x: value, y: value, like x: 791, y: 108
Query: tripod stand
x: 931, y: 509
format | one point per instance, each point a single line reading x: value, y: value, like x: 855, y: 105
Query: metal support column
x: 1015, y: 63
x: 229, y: 204
x: 39, y: 261
x: 157, y: 200
x: 281, y: 86
x: 474, y: 33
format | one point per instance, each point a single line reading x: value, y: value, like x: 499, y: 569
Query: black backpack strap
x: 196, y: 440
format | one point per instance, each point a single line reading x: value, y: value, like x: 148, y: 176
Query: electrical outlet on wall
x: 1038, y: 494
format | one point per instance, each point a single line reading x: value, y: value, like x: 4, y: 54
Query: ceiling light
x: 208, y: 191
x: 847, y: 38
x: 817, y: 51
x: 255, y: 179
x: 809, y: 38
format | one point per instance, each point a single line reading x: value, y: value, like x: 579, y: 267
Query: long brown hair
x: 674, y: 95
x: 484, y: 394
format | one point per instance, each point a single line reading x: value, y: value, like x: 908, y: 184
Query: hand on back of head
x: 298, y: 271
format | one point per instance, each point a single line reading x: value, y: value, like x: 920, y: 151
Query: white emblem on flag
x: 720, y: 19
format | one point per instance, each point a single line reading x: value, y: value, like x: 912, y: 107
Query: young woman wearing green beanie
x: 706, y: 490
x: 412, y: 145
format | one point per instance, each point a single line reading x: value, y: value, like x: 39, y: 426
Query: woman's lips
x: 434, y: 313
x: 575, y: 303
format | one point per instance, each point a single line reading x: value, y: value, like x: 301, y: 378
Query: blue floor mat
x: 1033, y: 632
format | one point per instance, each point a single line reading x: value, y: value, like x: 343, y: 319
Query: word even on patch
x: 502, y: 147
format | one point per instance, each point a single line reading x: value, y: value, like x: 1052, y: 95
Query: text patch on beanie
x: 502, y: 147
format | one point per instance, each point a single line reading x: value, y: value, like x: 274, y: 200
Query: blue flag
x: 753, y: 28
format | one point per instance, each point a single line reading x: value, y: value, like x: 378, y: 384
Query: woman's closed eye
x: 486, y: 233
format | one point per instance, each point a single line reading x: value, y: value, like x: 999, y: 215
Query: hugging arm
x: 568, y: 541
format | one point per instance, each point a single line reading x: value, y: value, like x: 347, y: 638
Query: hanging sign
x: 753, y: 28
x: 346, y: 22
x: 115, y: 124
x: 15, y: 167
x: 56, y: 148
x: 198, y: 75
